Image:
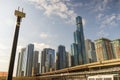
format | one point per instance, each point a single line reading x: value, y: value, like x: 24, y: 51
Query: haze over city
x: 47, y: 25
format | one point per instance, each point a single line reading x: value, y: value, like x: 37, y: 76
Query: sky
x: 50, y: 23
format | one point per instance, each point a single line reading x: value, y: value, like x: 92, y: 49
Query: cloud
x: 102, y: 5
x: 43, y: 35
x: 99, y: 16
x: 56, y: 7
x: 98, y: 5
x: 109, y: 20
x: 102, y: 33
x: 3, y: 47
x: 41, y: 46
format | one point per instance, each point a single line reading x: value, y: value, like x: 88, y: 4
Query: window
x: 107, y: 78
x: 116, y: 78
x: 98, y: 78
x: 91, y: 79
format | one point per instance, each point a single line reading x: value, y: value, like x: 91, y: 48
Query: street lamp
x: 19, y: 16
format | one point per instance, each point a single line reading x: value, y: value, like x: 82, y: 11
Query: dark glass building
x: 29, y: 64
x: 78, y: 47
x: 47, y: 60
x: 35, y: 68
x: 61, y: 57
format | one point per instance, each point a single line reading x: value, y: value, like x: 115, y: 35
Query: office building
x: 47, y: 60
x: 78, y: 47
x: 61, y: 57
x: 104, y: 50
x: 90, y: 51
x: 36, y: 65
x: 30, y: 52
x: 68, y: 59
x: 116, y: 48
x: 20, y: 64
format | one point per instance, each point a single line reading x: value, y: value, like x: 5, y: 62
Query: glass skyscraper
x: 78, y: 47
x: 61, y: 57
x: 20, y: 64
x: 35, y: 68
x: 29, y: 64
x: 25, y: 61
x: 47, y: 60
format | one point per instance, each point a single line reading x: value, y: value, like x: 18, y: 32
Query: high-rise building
x: 35, y: 63
x: 90, y: 51
x: 25, y: 61
x: 29, y: 64
x: 78, y: 48
x: 43, y: 60
x: 103, y: 49
x: 47, y: 60
x: 61, y: 57
x: 68, y: 59
x: 20, y: 63
x: 116, y: 48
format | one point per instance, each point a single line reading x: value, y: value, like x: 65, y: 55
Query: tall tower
x: 29, y: 63
x: 35, y: 68
x: 62, y: 57
x: 20, y: 65
x: 78, y: 47
x: 19, y: 16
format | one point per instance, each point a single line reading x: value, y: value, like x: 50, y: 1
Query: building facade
x: 20, y: 64
x: 104, y: 49
x: 90, y: 51
x: 29, y: 64
x: 47, y: 60
x: 61, y: 57
x: 36, y: 65
x: 116, y: 48
x: 78, y: 47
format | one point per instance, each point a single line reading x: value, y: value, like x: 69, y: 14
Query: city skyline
x: 105, y: 20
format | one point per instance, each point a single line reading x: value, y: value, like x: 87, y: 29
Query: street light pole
x: 19, y: 16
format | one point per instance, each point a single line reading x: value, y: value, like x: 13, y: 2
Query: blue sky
x: 49, y: 23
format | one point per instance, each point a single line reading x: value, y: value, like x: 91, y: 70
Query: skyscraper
x: 61, y: 57
x: 116, y: 48
x: 78, y: 48
x: 103, y: 49
x: 29, y: 64
x: 43, y: 60
x: 35, y: 69
x: 47, y: 60
x: 68, y: 59
x: 90, y: 51
x: 25, y: 61
x: 20, y: 63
